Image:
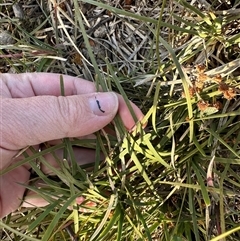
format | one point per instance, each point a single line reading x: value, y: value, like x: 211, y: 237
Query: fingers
x: 49, y: 116
x: 39, y: 84
x: 11, y: 192
x: 126, y: 115
x: 82, y: 156
x: 32, y: 199
x: 30, y: 121
x: 34, y: 84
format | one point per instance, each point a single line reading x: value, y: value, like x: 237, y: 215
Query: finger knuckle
x: 71, y: 112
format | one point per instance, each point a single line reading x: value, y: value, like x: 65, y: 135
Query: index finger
x: 35, y: 84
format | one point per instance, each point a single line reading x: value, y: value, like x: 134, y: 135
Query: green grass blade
x: 54, y: 223
x: 185, y: 86
x: 14, y: 231
x: 201, y: 182
x: 112, y: 202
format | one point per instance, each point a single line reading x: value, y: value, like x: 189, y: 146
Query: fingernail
x: 103, y: 104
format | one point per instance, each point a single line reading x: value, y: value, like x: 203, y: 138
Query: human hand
x: 33, y: 111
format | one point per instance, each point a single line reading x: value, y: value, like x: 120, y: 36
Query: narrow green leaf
x: 224, y: 235
x: 217, y: 136
x: 138, y: 17
x: 50, y: 229
x: 43, y: 215
x: 110, y: 225
x: 201, y: 182
x: 111, y: 205
x: 120, y: 223
x: 14, y: 231
x: 185, y: 86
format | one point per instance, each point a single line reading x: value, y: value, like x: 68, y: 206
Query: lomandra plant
x: 178, y: 177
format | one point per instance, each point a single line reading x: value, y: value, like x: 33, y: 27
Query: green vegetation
x: 177, y: 179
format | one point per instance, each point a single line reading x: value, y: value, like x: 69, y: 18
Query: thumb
x: 30, y: 121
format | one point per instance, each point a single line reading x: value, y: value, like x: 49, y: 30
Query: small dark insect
x: 99, y: 107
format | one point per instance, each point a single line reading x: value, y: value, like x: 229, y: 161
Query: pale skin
x: 33, y: 112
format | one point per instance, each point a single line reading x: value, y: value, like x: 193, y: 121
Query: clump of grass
x: 177, y: 179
